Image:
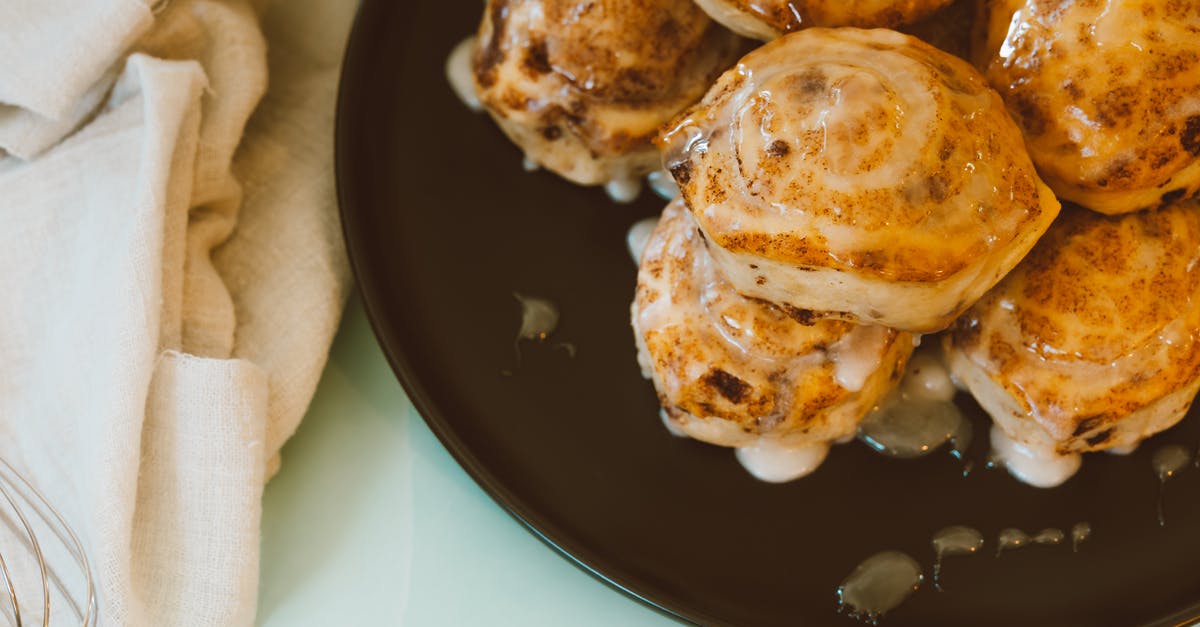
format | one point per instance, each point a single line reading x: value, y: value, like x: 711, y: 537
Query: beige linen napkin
x: 171, y: 276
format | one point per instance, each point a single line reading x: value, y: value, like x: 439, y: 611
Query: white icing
x: 856, y: 356
x: 1128, y: 449
x: 663, y: 184
x: 1038, y: 466
x: 1169, y: 460
x: 1079, y: 534
x: 639, y: 234
x: 643, y: 353
x: 769, y: 461
x: 529, y: 165
x: 624, y: 191
x: 927, y: 378
x: 672, y: 428
x: 878, y: 585
x: 737, y: 20
x: 908, y: 428
x: 458, y: 72
x: 539, y: 318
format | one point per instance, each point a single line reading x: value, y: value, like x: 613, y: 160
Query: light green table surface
x: 371, y: 522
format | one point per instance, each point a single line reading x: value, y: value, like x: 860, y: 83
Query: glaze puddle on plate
x: 1168, y: 461
x: 1080, y: 534
x: 954, y: 540
x: 920, y: 416
x: 879, y: 585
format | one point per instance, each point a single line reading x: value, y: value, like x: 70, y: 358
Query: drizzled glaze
x: 746, y: 374
x: 1038, y: 466
x: 661, y: 182
x: 639, y: 234
x: 954, y: 540
x: 539, y: 318
x: 583, y: 87
x: 458, y: 74
x: 878, y: 585
x: 1012, y: 538
x: 623, y: 190
x: 1167, y: 461
x: 1092, y: 342
x: 820, y: 151
x: 769, y: 461
x: 1080, y: 534
x: 741, y: 372
x: 920, y: 416
x: 768, y: 19
x: 1107, y: 94
x: 1051, y: 537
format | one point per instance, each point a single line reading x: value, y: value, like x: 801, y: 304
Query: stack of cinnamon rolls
x: 846, y: 188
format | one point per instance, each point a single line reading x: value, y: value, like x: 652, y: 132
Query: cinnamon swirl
x: 1107, y: 94
x: 859, y: 173
x: 583, y: 86
x: 735, y: 371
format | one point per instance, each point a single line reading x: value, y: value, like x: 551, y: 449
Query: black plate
x: 443, y: 225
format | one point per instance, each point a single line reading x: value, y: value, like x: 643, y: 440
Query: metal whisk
x: 26, y: 512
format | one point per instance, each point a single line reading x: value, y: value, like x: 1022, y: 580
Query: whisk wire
x: 12, y: 482
x: 13, y: 609
x: 70, y: 541
x: 37, y: 551
x: 54, y: 578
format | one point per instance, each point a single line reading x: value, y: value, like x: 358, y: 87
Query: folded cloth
x: 172, y: 275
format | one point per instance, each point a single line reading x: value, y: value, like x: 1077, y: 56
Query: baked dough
x: 859, y: 173
x: 768, y: 19
x: 731, y: 370
x: 1107, y: 94
x: 583, y: 86
x: 1093, y: 342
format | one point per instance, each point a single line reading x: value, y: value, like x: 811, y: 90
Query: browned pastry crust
x: 1092, y: 342
x: 583, y: 85
x: 1107, y: 94
x: 768, y: 19
x: 859, y: 172
x: 730, y: 370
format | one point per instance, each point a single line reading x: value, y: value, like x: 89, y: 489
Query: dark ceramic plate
x: 443, y: 226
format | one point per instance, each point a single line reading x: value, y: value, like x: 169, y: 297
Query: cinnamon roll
x: 582, y: 86
x: 1107, y: 94
x: 862, y: 174
x: 768, y: 19
x: 734, y: 371
x: 1093, y: 342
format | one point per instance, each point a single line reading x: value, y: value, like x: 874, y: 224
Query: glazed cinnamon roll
x: 861, y: 174
x: 1093, y: 342
x: 768, y: 19
x: 1107, y: 94
x: 735, y: 371
x: 583, y: 86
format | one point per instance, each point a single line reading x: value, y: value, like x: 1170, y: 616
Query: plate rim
x: 559, y: 541
x: 556, y: 539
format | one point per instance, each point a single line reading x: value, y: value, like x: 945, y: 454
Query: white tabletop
x: 371, y: 522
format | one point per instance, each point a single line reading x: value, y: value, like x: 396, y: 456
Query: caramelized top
x: 789, y: 15
x: 715, y: 353
x: 1099, y: 320
x: 609, y: 71
x: 859, y: 150
x: 1106, y: 91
